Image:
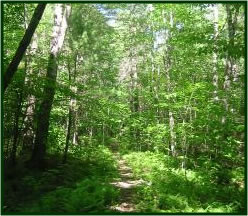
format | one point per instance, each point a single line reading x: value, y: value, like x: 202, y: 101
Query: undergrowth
x: 79, y: 186
x: 171, y: 189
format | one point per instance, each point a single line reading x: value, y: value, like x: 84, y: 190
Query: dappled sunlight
x: 173, y: 191
x: 128, y: 186
x: 123, y: 108
x: 124, y: 207
x: 128, y: 175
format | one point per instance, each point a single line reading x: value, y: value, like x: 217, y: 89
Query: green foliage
x: 81, y: 185
x: 170, y: 189
x: 91, y: 194
x: 146, y: 80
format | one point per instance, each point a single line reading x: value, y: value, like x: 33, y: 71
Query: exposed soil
x: 127, y: 185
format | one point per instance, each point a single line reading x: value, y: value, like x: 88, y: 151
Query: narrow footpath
x: 127, y: 185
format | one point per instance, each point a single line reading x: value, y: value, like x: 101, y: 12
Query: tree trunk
x: 11, y: 69
x: 29, y: 134
x: 59, y: 30
x: 215, y: 56
x: 68, y: 135
x: 134, y: 96
x: 172, y: 135
x: 74, y: 103
x: 231, y: 65
x: 167, y: 66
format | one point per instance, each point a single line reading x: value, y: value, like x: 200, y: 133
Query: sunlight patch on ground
x: 128, y: 184
x: 124, y: 207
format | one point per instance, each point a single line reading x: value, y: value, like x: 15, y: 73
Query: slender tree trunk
x: 167, y: 65
x: 74, y: 103
x: 71, y: 113
x: 11, y: 69
x: 172, y: 122
x: 68, y: 135
x: 134, y: 98
x: 75, y: 130
x: 69, y: 121
x: 157, y: 89
x: 185, y: 149
x: 231, y: 64
x: 60, y: 26
x: 231, y: 69
x: 172, y: 135
x: 215, y: 56
x: 29, y: 134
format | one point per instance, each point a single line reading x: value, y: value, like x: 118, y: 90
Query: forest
x: 111, y: 108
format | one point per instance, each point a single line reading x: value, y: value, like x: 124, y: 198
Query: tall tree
x: 28, y: 121
x: 215, y: 56
x: 11, y: 69
x: 231, y: 70
x: 61, y: 15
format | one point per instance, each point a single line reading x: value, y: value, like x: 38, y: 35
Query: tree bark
x: 59, y: 30
x: 167, y: 66
x: 11, y: 69
x: 29, y: 132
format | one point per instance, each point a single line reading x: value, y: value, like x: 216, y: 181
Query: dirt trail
x: 127, y: 185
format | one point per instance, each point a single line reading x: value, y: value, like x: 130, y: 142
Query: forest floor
x: 106, y: 181
x: 127, y: 185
